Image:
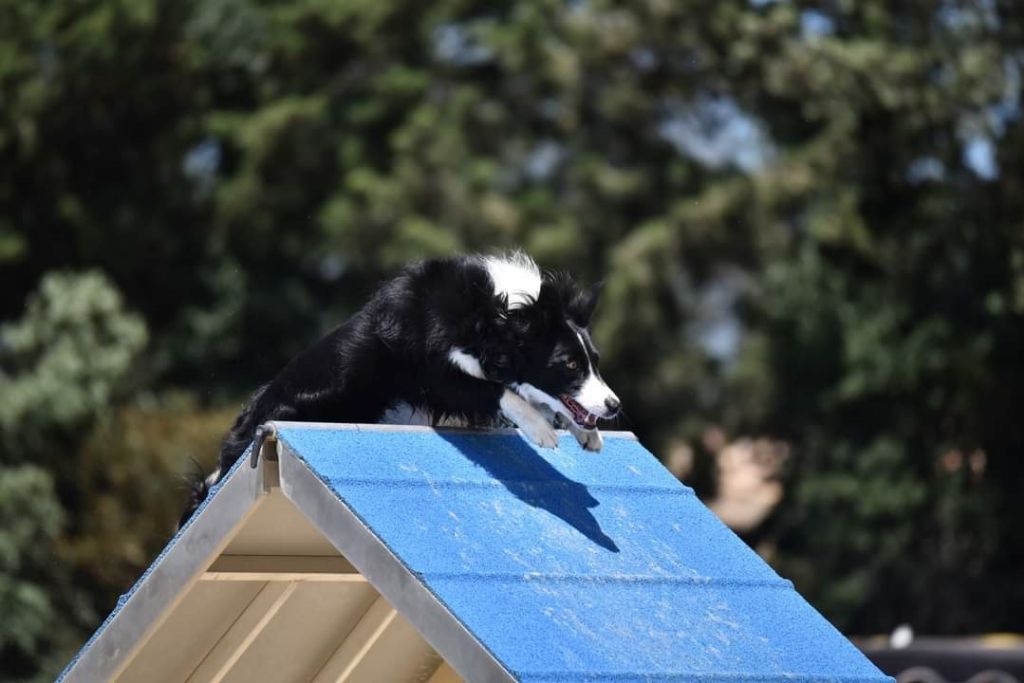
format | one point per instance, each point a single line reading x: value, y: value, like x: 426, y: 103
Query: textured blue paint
x: 571, y: 566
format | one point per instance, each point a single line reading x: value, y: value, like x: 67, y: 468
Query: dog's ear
x: 581, y: 308
x: 549, y: 307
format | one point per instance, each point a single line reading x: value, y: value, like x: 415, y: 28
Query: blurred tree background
x: 810, y: 216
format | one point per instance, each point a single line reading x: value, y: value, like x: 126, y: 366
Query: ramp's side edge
x: 360, y: 546
x: 141, y: 611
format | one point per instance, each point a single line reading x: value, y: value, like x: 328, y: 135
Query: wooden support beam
x: 281, y: 568
x: 247, y: 627
x: 354, y: 648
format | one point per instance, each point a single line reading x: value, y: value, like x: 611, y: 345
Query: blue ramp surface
x: 571, y: 566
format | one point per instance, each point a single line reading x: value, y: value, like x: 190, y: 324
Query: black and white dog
x: 469, y: 339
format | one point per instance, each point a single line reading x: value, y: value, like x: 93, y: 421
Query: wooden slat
x: 287, y: 568
x: 247, y: 627
x: 357, y: 644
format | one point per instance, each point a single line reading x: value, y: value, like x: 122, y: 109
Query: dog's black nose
x: 612, y: 404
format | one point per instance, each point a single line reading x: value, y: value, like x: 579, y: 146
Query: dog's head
x: 559, y: 362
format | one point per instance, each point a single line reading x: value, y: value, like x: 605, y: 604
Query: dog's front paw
x: 533, y: 425
x: 590, y: 439
x: 540, y: 432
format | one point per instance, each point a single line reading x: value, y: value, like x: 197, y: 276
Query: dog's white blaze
x: 593, y: 392
x: 516, y: 276
x: 467, y: 363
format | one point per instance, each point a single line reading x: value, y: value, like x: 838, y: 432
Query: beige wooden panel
x: 278, y: 528
x: 383, y: 648
x: 236, y: 642
x: 185, y: 637
x: 304, y: 633
x: 400, y: 655
x: 357, y: 643
x: 281, y: 568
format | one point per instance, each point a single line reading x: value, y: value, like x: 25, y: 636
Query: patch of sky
x: 721, y: 338
x: 717, y: 133
x: 980, y: 131
x: 643, y: 58
x: 550, y: 108
x: 457, y: 44
x: 1008, y: 107
x: 543, y: 160
x: 979, y: 155
x: 331, y: 267
x: 716, y: 328
x: 815, y: 24
x: 926, y: 169
x: 577, y: 6
x: 201, y: 163
x: 980, y: 14
x: 714, y: 325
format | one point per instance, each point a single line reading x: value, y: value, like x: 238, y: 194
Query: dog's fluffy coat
x: 471, y: 338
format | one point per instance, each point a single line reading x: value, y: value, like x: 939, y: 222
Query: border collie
x: 471, y: 339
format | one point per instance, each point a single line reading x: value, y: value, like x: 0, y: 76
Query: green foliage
x: 76, y: 533
x: 808, y: 215
x: 66, y: 359
x: 30, y: 518
x: 130, y: 472
x: 63, y: 365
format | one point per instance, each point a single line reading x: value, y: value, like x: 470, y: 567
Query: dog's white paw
x: 533, y: 425
x: 541, y: 433
x: 590, y: 439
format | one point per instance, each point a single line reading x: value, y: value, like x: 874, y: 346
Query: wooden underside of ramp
x: 270, y: 600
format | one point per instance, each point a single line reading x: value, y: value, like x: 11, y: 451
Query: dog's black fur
x: 396, y: 350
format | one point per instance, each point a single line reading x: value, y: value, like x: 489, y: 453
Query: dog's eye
x: 572, y: 365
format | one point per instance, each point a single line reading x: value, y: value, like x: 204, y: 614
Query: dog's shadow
x: 533, y: 480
